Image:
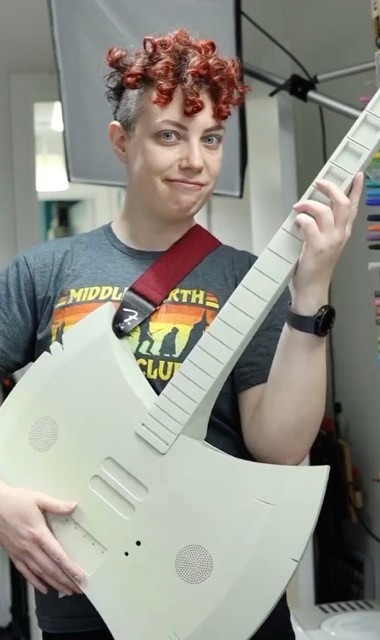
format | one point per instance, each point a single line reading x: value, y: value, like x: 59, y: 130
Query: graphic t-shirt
x: 162, y: 342
x: 49, y: 288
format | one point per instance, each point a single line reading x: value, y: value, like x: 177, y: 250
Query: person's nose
x: 192, y: 157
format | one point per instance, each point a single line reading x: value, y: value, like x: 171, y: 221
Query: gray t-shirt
x: 50, y: 287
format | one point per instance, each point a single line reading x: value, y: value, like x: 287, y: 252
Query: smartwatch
x: 320, y: 324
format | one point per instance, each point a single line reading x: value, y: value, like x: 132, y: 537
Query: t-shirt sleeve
x: 17, y: 316
x: 254, y: 364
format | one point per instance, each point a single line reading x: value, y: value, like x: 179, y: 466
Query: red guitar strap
x: 146, y: 294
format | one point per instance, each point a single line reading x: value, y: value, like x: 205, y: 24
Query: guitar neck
x: 186, y: 402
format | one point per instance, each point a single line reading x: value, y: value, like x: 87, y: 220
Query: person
x: 171, y: 100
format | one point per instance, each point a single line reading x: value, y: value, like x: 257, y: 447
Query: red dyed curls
x: 177, y: 60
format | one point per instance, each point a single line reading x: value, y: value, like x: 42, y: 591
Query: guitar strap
x: 150, y: 289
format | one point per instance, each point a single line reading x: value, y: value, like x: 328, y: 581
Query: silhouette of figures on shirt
x: 168, y: 346
x: 145, y: 336
x: 194, y: 335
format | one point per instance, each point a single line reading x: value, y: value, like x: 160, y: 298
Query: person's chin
x: 182, y: 212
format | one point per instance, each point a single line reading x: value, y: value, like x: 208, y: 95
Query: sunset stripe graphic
x: 172, y: 330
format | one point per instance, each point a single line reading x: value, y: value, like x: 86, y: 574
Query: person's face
x: 173, y: 161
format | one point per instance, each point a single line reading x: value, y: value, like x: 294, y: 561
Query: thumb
x: 46, y: 503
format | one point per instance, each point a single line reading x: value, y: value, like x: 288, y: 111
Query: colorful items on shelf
x: 372, y: 199
x: 372, y: 184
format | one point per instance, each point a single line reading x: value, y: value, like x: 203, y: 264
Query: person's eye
x: 213, y: 140
x: 168, y: 136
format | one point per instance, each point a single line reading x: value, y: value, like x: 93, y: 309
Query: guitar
x: 178, y: 540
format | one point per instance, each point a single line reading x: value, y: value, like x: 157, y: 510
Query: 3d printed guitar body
x: 179, y: 541
x: 174, y: 546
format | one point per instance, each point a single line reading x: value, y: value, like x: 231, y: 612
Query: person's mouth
x: 186, y: 184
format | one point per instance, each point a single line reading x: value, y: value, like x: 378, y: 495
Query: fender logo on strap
x: 133, y: 310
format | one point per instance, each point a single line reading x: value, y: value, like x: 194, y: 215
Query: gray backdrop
x: 82, y: 32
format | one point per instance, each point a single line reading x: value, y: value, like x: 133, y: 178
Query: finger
x: 53, y: 549
x: 356, y: 189
x: 354, y: 197
x: 335, y: 193
x: 46, y: 503
x: 344, y: 210
x: 41, y: 565
x: 34, y: 580
x: 321, y: 213
x: 50, y: 576
x: 309, y: 228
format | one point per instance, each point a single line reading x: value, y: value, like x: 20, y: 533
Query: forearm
x: 292, y: 406
x: 285, y: 420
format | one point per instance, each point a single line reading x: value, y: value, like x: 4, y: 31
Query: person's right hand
x: 27, y: 539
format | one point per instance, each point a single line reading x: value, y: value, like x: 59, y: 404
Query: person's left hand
x: 325, y: 231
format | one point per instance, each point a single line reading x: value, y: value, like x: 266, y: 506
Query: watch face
x: 324, y: 320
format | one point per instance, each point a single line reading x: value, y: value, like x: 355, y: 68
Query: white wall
x: 101, y: 203
x: 25, y: 47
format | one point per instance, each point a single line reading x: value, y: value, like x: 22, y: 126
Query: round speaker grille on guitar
x: 43, y: 434
x: 194, y: 564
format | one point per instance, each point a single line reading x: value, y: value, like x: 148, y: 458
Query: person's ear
x: 119, y: 140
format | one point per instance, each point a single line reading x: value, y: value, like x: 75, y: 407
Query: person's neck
x: 147, y: 234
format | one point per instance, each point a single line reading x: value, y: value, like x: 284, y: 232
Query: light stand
x: 304, y: 88
x: 342, y: 73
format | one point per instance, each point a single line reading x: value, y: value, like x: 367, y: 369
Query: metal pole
x: 334, y: 105
x: 312, y: 96
x: 341, y: 73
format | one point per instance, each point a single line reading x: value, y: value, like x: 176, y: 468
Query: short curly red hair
x: 165, y: 63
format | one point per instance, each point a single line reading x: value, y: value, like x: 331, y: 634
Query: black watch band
x: 320, y: 324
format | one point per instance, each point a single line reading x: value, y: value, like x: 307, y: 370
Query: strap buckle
x: 133, y: 310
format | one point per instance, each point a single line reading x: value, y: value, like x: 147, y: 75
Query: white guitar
x: 178, y: 540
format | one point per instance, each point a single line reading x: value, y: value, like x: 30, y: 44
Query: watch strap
x: 319, y: 324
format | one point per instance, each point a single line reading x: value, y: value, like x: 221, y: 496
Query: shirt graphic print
x: 163, y: 341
